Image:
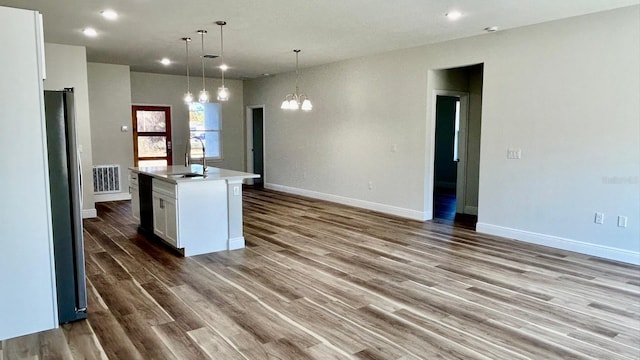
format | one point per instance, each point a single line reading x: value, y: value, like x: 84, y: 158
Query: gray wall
x: 110, y: 100
x: 67, y: 67
x: 552, y: 90
x: 156, y: 89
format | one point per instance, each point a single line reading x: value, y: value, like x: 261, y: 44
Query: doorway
x: 255, y: 143
x: 456, y: 114
x: 450, y: 154
x: 151, y: 135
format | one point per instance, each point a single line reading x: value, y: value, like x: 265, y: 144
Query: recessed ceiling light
x: 266, y: 74
x: 491, y: 29
x: 453, y: 15
x: 109, y: 14
x: 165, y: 62
x: 91, y: 32
x: 224, y: 67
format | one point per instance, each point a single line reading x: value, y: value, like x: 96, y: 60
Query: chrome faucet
x: 187, y: 155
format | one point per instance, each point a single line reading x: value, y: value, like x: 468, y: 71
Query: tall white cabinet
x: 27, y: 277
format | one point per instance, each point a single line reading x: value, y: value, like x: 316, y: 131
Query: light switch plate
x: 514, y: 153
x: 124, y: 128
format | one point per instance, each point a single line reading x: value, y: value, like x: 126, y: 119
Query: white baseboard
x: 111, y: 197
x: 607, y: 252
x: 387, y: 209
x: 236, y: 243
x: 89, y: 213
x: 471, y: 210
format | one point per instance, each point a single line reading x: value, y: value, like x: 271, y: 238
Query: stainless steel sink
x: 184, y: 175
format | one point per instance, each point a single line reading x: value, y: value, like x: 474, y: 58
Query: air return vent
x: 106, y: 179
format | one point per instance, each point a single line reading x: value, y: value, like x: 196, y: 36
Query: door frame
x: 461, y: 177
x: 134, y: 129
x: 249, y: 141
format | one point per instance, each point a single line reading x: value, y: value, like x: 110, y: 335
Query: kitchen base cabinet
x: 191, y: 216
x: 165, y: 218
x: 135, y: 196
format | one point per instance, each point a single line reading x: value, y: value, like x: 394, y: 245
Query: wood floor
x: 324, y: 281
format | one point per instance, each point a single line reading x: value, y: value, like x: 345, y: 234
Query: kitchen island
x: 194, y: 213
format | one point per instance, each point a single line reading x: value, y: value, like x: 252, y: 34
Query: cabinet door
x: 171, y: 221
x: 135, y: 202
x: 159, y: 223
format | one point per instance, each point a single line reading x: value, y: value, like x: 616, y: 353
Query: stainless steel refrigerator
x: 66, y: 205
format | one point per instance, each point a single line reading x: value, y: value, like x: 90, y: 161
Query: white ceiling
x: 261, y: 34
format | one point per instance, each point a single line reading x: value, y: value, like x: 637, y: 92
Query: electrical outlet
x: 370, y: 185
x: 622, y: 221
x: 599, y: 219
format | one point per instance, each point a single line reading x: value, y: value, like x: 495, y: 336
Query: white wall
x: 565, y: 92
x: 157, y: 89
x: 67, y: 67
x: 110, y: 100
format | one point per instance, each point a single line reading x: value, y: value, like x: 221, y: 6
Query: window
x: 205, y: 124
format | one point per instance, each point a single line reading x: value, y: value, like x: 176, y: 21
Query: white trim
x: 471, y: 210
x: 111, y: 197
x: 387, y: 209
x: 606, y: 252
x: 236, y: 243
x: 89, y: 213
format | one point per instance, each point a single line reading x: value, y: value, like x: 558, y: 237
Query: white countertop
x: 172, y: 173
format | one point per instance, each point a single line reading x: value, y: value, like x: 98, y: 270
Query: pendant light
x: 204, y: 94
x: 296, y: 100
x: 188, y: 97
x: 223, y: 92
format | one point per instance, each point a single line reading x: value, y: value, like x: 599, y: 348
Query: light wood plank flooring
x: 324, y: 281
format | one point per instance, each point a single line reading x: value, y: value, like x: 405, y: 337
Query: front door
x: 151, y: 135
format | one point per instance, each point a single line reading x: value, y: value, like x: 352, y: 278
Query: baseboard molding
x: 387, y: 209
x: 111, y: 197
x: 89, y: 213
x: 471, y: 210
x: 236, y: 243
x: 607, y: 252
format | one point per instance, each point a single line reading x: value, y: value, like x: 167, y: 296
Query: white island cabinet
x: 194, y: 214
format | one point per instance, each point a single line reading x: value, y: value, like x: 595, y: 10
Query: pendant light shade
x: 188, y: 97
x: 296, y: 100
x: 203, y: 97
x: 223, y: 92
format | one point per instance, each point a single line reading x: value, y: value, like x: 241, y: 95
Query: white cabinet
x: 135, y: 195
x: 165, y: 212
x: 27, y: 277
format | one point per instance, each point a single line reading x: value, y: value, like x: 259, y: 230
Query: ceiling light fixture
x: 453, y: 15
x: 188, y: 97
x: 109, y: 14
x: 203, y: 97
x: 296, y: 100
x: 165, y: 62
x: 91, y: 32
x: 223, y: 92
